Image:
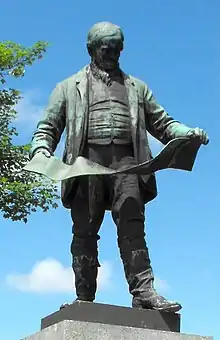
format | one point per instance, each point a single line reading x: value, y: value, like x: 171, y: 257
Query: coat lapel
x: 82, y: 107
x: 133, y: 99
x: 133, y: 105
x: 82, y: 86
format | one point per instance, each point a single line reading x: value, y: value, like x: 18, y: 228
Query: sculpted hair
x: 102, y: 30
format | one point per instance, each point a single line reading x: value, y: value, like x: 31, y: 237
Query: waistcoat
x: 109, y: 116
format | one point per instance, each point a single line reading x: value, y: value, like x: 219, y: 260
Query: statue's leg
x: 128, y: 214
x: 84, y: 244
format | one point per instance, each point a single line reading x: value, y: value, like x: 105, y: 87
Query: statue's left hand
x: 200, y: 134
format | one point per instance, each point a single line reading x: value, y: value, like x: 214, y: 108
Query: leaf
x: 21, y: 193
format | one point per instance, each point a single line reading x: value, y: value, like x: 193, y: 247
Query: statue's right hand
x: 44, y: 151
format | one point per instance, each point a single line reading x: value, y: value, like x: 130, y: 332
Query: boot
x: 85, y: 269
x: 140, y: 279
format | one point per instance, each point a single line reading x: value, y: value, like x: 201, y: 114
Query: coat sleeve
x: 158, y: 122
x: 52, y: 125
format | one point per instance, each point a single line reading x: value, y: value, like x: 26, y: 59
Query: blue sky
x: 174, y: 47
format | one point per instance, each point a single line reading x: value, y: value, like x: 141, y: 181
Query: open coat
x: 68, y: 110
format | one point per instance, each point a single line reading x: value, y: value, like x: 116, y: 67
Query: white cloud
x: 161, y: 285
x: 28, y: 108
x: 105, y: 275
x: 50, y: 276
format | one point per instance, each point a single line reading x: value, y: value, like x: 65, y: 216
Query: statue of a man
x: 106, y: 114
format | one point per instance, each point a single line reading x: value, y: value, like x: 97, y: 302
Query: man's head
x: 105, y: 43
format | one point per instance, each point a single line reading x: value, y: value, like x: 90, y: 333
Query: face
x: 107, y: 52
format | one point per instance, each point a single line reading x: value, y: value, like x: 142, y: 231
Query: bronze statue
x: 106, y: 114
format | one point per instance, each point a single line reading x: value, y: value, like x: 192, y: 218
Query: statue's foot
x: 64, y: 305
x: 156, y: 302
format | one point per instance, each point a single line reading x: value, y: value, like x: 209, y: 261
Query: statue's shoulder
x: 137, y: 82
x: 73, y: 79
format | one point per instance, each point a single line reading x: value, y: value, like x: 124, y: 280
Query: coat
x: 68, y: 110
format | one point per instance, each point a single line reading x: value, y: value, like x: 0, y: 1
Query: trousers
x: 121, y: 193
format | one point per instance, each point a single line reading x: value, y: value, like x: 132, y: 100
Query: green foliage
x: 21, y: 193
x: 15, y: 57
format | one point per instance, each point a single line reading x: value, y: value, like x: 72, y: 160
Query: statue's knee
x: 84, y: 244
x: 131, y: 208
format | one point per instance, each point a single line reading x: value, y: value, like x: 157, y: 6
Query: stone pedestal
x: 115, y: 315
x: 93, y: 321
x: 80, y: 330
